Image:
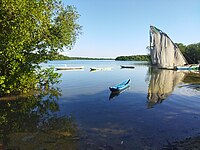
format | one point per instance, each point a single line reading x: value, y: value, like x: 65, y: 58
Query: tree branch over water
x: 32, y: 32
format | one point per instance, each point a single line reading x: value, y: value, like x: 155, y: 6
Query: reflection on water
x: 42, y: 121
x: 193, y: 80
x: 31, y: 120
x: 117, y: 93
x: 193, y: 86
x: 162, y: 84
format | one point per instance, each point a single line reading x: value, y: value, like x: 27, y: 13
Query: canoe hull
x: 95, y: 68
x: 188, y: 67
x: 69, y: 68
x: 120, y: 87
x: 127, y: 66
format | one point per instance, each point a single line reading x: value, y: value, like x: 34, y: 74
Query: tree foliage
x: 191, y: 52
x: 32, y: 32
x: 63, y: 57
x: 134, y: 58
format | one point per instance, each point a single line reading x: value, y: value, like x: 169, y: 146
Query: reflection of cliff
x: 162, y: 83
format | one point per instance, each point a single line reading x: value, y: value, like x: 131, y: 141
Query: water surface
x: 159, y: 107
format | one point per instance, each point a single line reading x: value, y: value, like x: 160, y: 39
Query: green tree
x: 31, y: 32
x: 193, y: 53
x: 134, y: 58
x: 182, y: 47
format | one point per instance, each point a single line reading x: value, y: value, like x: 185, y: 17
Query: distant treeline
x: 134, y: 58
x: 191, y: 52
x: 62, y: 57
x: 89, y: 58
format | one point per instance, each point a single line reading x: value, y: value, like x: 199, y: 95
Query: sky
x: 114, y: 28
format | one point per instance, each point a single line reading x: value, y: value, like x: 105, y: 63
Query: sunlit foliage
x: 191, y: 52
x: 31, y: 32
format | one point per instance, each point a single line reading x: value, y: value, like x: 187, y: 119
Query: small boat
x: 97, y: 68
x: 69, y: 68
x: 127, y: 66
x: 189, y: 67
x: 120, y: 87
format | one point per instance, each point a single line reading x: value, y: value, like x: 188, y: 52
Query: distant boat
x: 120, y: 86
x: 69, y: 68
x: 97, y: 68
x: 165, y: 54
x: 127, y: 66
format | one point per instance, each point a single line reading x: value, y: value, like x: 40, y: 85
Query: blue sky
x: 114, y: 28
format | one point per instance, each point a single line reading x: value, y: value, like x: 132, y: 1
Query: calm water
x: 159, y: 107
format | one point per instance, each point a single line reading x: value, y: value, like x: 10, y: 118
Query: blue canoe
x: 120, y: 87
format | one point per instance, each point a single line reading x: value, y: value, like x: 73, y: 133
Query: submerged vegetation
x: 32, y: 32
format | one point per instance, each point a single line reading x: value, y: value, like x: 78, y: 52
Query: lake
x: 158, y: 108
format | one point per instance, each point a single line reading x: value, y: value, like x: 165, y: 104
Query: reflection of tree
x: 162, y: 84
x: 32, y: 120
x: 193, y: 80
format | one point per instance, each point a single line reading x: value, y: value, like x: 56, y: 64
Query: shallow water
x: 159, y: 107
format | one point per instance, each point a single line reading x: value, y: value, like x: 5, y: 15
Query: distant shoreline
x: 90, y: 58
x: 119, y: 58
x: 134, y: 58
